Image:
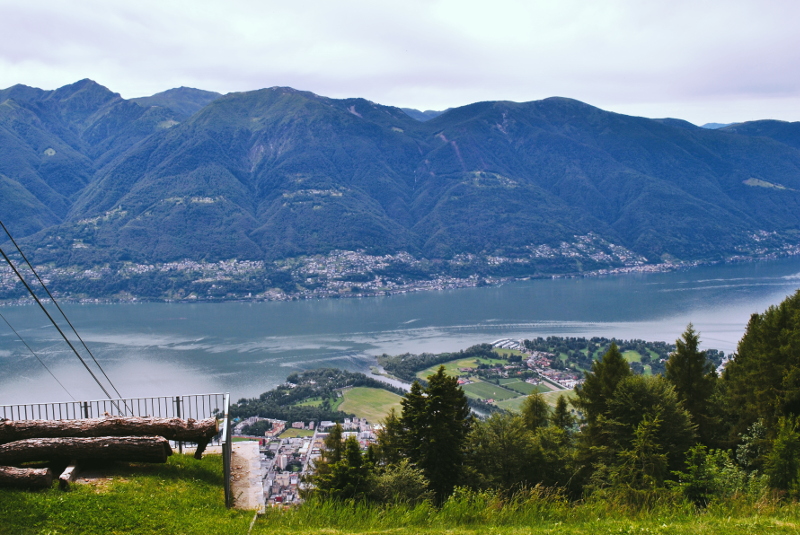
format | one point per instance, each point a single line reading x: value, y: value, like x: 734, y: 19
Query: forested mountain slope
x: 89, y: 177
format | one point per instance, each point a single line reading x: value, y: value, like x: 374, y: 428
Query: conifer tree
x: 535, y: 412
x: 598, y: 387
x: 561, y: 416
x: 447, y: 422
x: 693, y: 377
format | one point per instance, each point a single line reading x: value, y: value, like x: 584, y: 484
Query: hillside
x: 89, y: 178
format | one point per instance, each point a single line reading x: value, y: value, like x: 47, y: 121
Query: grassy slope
x: 370, y: 403
x: 185, y: 497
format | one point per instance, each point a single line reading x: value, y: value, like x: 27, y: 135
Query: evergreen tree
x: 693, y: 377
x: 762, y: 381
x: 598, y: 387
x: 535, y: 412
x: 501, y: 454
x: 561, y: 417
x: 446, y: 424
x: 414, y: 423
x: 390, y: 440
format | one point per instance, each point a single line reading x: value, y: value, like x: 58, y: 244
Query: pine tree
x: 561, y: 417
x: 693, y: 377
x: 390, y: 440
x: 447, y: 422
x: 598, y: 387
x: 535, y: 412
x: 414, y: 422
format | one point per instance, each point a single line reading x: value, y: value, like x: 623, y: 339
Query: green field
x: 291, y: 432
x: 451, y: 368
x: 507, y: 352
x: 526, y: 389
x: 482, y: 390
x: 313, y: 402
x: 632, y: 356
x: 185, y: 496
x: 370, y: 403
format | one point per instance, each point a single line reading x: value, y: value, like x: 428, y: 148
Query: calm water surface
x: 247, y: 348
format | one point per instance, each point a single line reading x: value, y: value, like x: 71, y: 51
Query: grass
x: 370, y: 403
x: 632, y: 356
x: 508, y: 352
x: 291, y: 432
x: 524, y: 388
x: 482, y: 390
x: 185, y: 496
x: 451, y: 368
x: 313, y: 402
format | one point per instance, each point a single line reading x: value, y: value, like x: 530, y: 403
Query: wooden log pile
x: 115, y: 438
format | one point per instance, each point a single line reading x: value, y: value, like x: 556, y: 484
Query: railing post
x: 226, y: 451
x: 178, y: 414
x: 85, y: 409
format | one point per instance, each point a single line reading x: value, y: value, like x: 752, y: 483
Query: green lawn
x: 632, y: 356
x: 507, y: 352
x: 451, y: 368
x: 513, y: 404
x: 185, y: 496
x: 370, y: 403
x: 484, y: 390
x: 313, y: 402
x: 524, y: 388
x: 291, y: 432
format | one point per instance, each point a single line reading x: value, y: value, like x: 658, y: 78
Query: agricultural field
x: 451, y: 368
x: 370, y: 403
x: 482, y: 390
x: 291, y: 432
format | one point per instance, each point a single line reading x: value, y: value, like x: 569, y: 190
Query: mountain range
x: 88, y: 177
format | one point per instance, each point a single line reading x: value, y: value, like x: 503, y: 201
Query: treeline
x: 687, y: 437
x: 281, y: 403
x: 407, y: 365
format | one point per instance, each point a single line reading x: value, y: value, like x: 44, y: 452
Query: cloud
x: 700, y: 60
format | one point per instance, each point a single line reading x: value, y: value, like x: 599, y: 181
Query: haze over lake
x: 246, y: 348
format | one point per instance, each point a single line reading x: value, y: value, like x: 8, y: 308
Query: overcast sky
x: 704, y: 61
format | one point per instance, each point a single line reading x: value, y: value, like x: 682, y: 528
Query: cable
x: 38, y: 302
x: 37, y: 356
x: 53, y: 299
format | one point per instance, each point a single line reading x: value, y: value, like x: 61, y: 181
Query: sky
x: 703, y: 61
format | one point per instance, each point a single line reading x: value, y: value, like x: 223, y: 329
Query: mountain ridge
x: 89, y: 177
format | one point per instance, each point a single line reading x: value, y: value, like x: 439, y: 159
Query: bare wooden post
x: 68, y: 476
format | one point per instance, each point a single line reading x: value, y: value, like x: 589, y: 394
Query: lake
x: 151, y: 349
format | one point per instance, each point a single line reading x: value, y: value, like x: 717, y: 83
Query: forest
x: 687, y: 437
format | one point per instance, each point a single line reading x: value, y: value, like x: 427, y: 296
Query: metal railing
x: 196, y: 406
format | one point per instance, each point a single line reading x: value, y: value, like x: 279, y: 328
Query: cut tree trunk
x: 197, y: 431
x: 131, y: 449
x: 29, y: 478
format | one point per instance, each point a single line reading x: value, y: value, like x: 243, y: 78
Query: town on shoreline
x: 344, y: 274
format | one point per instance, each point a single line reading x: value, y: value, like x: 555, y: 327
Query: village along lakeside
x: 248, y: 348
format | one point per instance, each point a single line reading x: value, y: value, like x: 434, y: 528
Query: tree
x: 445, y: 426
x: 693, y: 377
x: 341, y: 472
x: 598, y: 387
x: 390, y: 440
x: 501, y: 453
x: 561, y: 416
x: 535, y: 412
x: 669, y: 428
x: 762, y: 381
x: 783, y: 462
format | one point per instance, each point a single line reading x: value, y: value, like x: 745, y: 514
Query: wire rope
x: 53, y: 299
x: 37, y: 356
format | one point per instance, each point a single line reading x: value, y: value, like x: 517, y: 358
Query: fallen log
x: 197, y: 431
x: 29, y: 478
x: 130, y: 449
